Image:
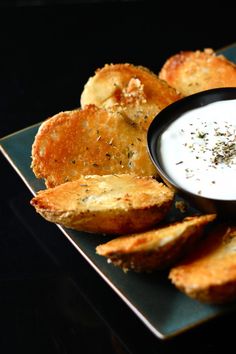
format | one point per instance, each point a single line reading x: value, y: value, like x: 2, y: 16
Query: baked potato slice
x: 89, y: 141
x: 154, y: 249
x: 190, y: 72
x: 208, y: 274
x: 135, y: 89
x: 109, y: 204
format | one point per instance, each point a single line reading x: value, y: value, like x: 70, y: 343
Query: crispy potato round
x: 86, y: 142
x: 136, y: 89
x: 191, y: 72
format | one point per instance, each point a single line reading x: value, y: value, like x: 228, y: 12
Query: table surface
x: 52, y: 300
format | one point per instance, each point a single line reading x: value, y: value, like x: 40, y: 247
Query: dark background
x: 51, y: 300
x: 49, y: 50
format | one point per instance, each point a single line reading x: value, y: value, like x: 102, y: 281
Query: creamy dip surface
x: 198, y: 150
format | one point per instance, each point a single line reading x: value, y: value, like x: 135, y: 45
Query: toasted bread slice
x: 134, y: 88
x: 155, y: 249
x: 86, y: 142
x: 109, y: 204
x: 208, y: 274
x: 190, y: 72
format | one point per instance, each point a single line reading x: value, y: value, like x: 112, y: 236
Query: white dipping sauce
x: 199, y: 150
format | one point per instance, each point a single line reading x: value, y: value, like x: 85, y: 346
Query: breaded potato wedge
x: 86, y: 142
x: 134, y: 88
x: 155, y: 249
x: 208, y: 274
x: 194, y: 71
x: 109, y: 204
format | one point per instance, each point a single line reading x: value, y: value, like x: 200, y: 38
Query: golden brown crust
x: 208, y: 274
x: 111, y: 204
x: 190, y: 72
x: 134, y: 88
x: 86, y: 142
x: 155, y: 249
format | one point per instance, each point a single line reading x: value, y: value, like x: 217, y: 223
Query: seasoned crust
x: 86, y: 142
x: 155, y: 249
x: 110, y: 204
x: 135, y: 89
x: 208, y: 274
x: 194, y: 71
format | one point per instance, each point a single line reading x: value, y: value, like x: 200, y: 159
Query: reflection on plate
x: 163, y: 309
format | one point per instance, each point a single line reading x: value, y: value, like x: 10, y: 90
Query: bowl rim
x: 169, y: 114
